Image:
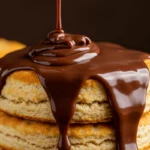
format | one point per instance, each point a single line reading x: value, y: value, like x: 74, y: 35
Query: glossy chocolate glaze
x: 60, y: 48
x: 62, y: 71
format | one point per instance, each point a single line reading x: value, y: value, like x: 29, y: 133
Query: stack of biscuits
x: 27, y: 122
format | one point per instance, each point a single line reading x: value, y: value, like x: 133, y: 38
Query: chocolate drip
x: 68, y: 49
x: 58, y: 18
x: 63, y: 49
x: 60, y: 49
x: 122, y: 72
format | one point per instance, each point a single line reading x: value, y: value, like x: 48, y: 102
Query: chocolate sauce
x: 64, y: 62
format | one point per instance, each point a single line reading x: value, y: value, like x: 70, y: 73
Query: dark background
x: 126, y: 22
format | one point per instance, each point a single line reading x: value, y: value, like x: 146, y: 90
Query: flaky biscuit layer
x: 24, y: 96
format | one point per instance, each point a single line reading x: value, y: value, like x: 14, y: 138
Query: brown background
x: 126, y: 22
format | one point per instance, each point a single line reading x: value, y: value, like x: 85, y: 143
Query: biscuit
x: 24, y: 96
x: 7, y: 46
x: 20, y: 134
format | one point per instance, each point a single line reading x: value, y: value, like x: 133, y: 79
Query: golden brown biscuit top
x: 7, y: 46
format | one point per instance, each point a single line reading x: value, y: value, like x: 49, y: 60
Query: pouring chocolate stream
x: 64, y: 61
